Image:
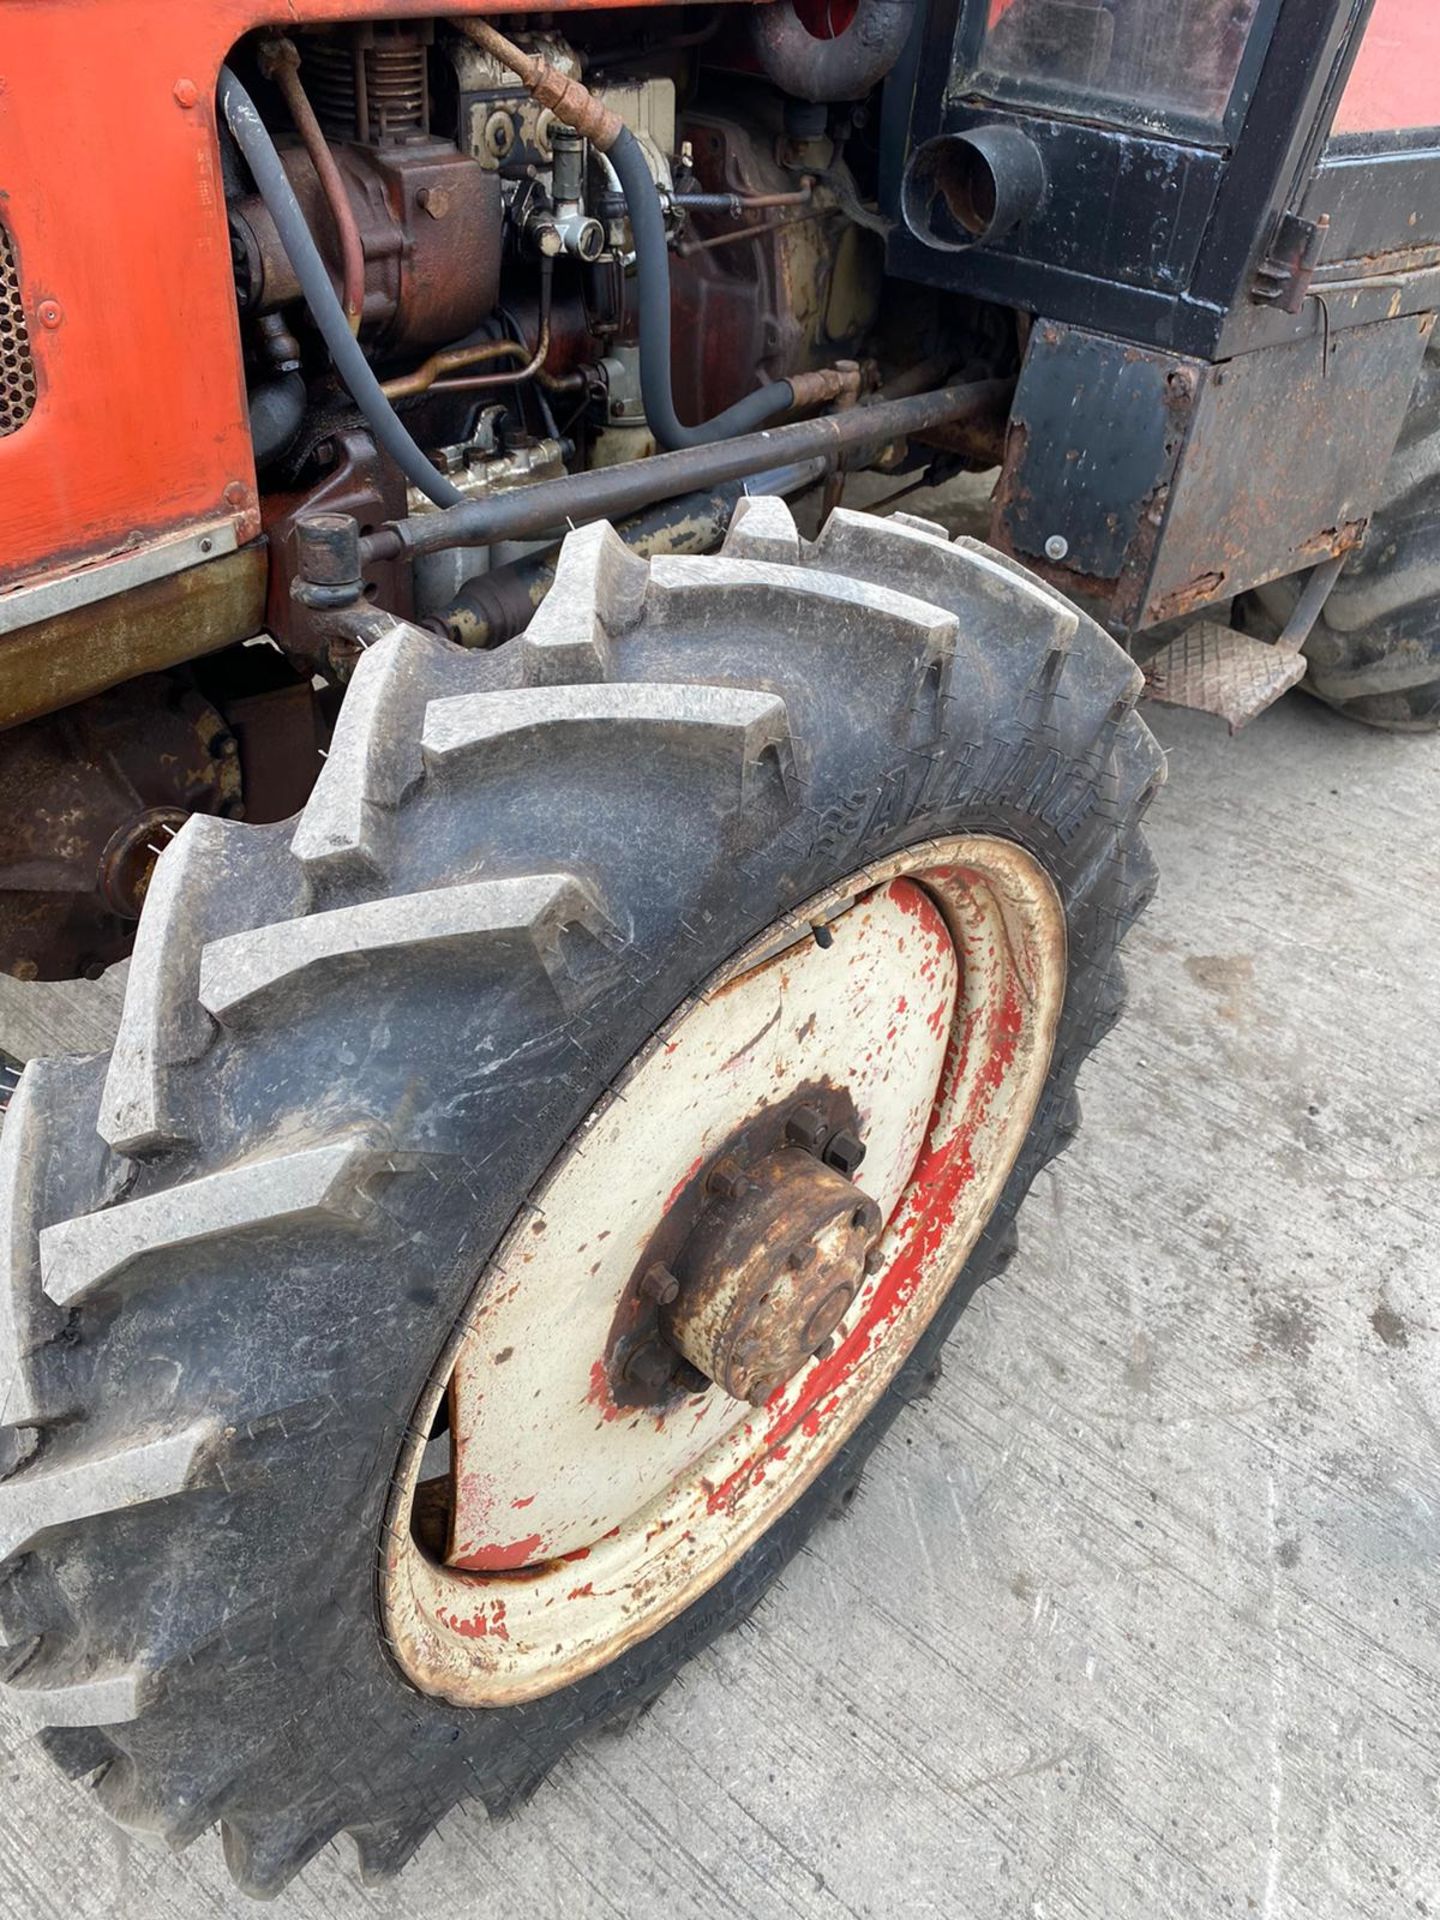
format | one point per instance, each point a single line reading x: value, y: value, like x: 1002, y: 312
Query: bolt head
x: 845, y: 1153
x: 805, y: 1127
x: 499, y: 134
x: 727, y: 1180
x: 1056, y: 547
x: 650, y: 1366
x: 874, y: 1260
x: 660, y: 1285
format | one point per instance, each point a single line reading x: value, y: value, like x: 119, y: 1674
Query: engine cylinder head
x: 369, y: 84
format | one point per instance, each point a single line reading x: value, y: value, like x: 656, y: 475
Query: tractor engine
x: 489, y: 244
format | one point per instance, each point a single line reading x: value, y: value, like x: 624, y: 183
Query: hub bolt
x: 874, y: 1260
x: 844, y: 1153
x: 691, y: 1380
x: 651, y: 1366
x: 727, y: 1181
x: 660, y: 1285
x: 806, y: 1128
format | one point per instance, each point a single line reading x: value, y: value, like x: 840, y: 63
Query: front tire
x: 231, y: 1255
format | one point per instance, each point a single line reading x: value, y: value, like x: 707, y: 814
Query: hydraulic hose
x: 652, y: 276
x: 253, y: 139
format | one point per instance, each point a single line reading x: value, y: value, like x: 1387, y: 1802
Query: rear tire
x: 231, y: 1253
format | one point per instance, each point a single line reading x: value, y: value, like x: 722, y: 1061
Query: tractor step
x: 1212, y: 667
x: 1217, y: 670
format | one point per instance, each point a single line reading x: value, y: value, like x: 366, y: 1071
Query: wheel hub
x: 769, y: 1271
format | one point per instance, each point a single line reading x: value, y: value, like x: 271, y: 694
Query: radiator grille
x: 17, y: 369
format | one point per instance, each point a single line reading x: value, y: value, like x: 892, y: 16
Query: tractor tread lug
x: 295, y: 959
x: 216, y: 877
x: 598, y: 591
x: 374, y: 757
x: 78, y: 1256
x: 57, y: 1493
x: 52, y: 1163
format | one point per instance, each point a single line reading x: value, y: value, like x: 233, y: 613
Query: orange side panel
x: 1395, y: 81
x: 110, y: 188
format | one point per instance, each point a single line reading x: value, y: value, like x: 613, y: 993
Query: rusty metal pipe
x: 280, y: 62
x: 845, y: 67
x: 495, y: 605
x: 478, y: 383
x: 685, y: 248
x: 738, y: 203
x: 607, y: 493
x: 450, y: 360
x: 567, y: 99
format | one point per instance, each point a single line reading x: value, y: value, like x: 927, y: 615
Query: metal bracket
x: 1283, y: 277
x: 117, y: 573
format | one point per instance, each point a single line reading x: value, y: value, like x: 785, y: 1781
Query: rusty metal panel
x: 1283, y: 462
x: 1148, y: 485
x: 1093, y: 437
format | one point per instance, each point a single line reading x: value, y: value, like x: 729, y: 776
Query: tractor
x: 611, y: 930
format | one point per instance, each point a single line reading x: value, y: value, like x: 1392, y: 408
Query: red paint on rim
x: 519, y: 1553
x: 932, y: 1198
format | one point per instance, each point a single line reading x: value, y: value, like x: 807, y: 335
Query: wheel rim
x: 708, y: 1221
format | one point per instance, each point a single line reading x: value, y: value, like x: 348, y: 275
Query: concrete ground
x: 1136, y: 1618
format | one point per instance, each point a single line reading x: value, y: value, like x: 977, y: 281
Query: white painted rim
x: 567, y: 1594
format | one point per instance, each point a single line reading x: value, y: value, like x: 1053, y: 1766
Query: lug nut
x: 726, y: 1180
x: 825, y: 1348
x: 761, y: 1390
x: 800, y: 1257
x: 651, y: 1366
x: 874, y: 1260
x: 844, y: 1153
x: 659, y: 1285
x: 691, y: 1380
x: 806, y: 1128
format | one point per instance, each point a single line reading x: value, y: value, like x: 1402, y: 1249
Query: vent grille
x: 17, y: 369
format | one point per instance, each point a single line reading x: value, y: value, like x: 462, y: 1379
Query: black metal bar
x: 528, y: 513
